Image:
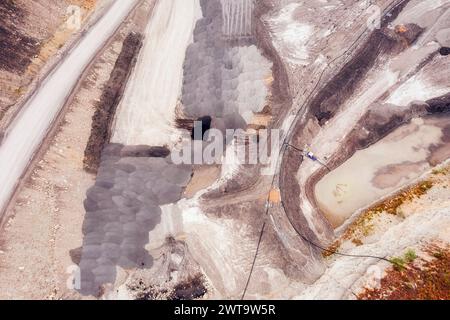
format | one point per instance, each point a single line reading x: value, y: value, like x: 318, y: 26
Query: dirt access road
x: 30, y: 127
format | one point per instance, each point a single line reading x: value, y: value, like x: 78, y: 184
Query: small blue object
x: 311, y: 156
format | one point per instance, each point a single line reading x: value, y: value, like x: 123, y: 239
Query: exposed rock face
x: 408, y: 33
x: 383, y: 119
x: 380, y: 121
x: 340, y: 88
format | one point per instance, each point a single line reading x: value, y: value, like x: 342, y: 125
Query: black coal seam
x: 111, y: 96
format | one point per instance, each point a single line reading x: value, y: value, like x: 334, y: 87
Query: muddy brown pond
x: 384, y: 167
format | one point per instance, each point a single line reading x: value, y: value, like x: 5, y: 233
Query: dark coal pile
x: 121, y: 208
x: 444, y: 51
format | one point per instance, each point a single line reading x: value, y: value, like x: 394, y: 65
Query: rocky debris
x: 408, y: 33
x: 185, y: 124
x: 174, y: 275
x: 13, y: 59
x: 190, y: 289
x: 121, y: 208
x: 106, y: 107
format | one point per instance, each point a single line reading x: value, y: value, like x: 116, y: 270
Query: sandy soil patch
x: 203, y: 177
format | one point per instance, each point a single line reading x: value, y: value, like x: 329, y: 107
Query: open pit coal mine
x: 154, y: 176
